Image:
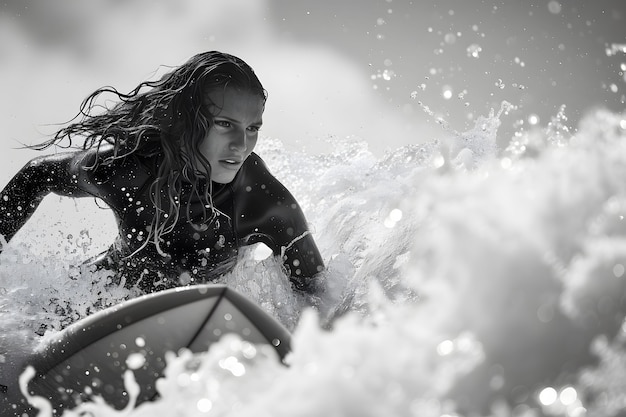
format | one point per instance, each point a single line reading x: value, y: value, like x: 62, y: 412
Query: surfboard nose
x: 91, y: 356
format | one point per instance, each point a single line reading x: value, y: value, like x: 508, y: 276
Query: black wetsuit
x: 254, y: 207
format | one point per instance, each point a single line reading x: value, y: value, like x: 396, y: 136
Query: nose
x: 239, y: 142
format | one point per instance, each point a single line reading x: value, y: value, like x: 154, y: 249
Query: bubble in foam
x: 394, y: 217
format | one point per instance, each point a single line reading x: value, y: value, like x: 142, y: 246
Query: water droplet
x: 533, y: 119
x: 395, y: 215
x: 445, y: 348
x: 615, y: 48
x: 548, y: 396
x: 135, y: 360
x: 450, y: 38
x: 438, y: 161
x: 568, y: 396
x: 204, y: 405
x: 474, y: 50
x: 388, y: 223
x: 554, y: 7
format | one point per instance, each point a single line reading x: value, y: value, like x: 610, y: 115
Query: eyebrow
x: 230, y: 119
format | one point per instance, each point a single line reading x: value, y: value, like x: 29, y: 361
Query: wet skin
x: 237, y: 118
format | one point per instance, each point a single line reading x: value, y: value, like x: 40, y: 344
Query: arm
x: 265, y: 211
x: 38, y: 178
x: 303, y: 260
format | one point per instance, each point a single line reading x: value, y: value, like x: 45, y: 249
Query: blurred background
x: 389, y: 72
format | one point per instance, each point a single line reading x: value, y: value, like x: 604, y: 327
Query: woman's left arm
x: 265, y: 211
x: 302, y: 258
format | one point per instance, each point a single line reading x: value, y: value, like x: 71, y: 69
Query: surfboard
x: 90, y: 357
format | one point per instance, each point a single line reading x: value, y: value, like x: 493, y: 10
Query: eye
x: 254, y: 128
x: 222, y: 123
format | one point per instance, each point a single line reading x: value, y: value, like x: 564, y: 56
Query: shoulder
x: 258, y: 184
x: 71, y: 161
x: 255, y: 173
x: 102, y: 170
x: 68, y: 162
x: 109, y: 162
x: 255, y: 163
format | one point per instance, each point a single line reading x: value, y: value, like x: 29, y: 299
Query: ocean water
x: 464, y: 278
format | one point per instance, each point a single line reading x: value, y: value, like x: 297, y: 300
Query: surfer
x: 173, y: 159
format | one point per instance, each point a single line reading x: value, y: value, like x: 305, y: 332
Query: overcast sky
x: 332, y: 68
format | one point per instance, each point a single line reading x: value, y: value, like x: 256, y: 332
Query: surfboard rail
x: 90, y: 357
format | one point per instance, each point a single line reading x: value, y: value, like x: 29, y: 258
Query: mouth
x: 231, y: 163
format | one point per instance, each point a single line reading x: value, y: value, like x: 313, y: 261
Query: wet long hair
x: 168, y: 117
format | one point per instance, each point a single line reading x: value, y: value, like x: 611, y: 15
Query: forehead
x: 233, y: 101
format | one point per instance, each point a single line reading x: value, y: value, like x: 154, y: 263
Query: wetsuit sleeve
x: 266, y: 211
x: 38, y: 178
x: 303, y: 261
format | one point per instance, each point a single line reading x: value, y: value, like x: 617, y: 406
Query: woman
x: 173, y: 160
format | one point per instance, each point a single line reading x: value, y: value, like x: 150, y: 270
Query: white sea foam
x: 462, y: 278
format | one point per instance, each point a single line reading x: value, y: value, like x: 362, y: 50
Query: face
x: 237, y: 118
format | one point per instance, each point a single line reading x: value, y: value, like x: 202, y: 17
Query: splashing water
x: 462, y: 279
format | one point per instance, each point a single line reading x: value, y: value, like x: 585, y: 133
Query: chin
x: 223, y: 179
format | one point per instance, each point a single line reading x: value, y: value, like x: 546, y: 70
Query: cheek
x: 252, y: 143
x: 207, y: 146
